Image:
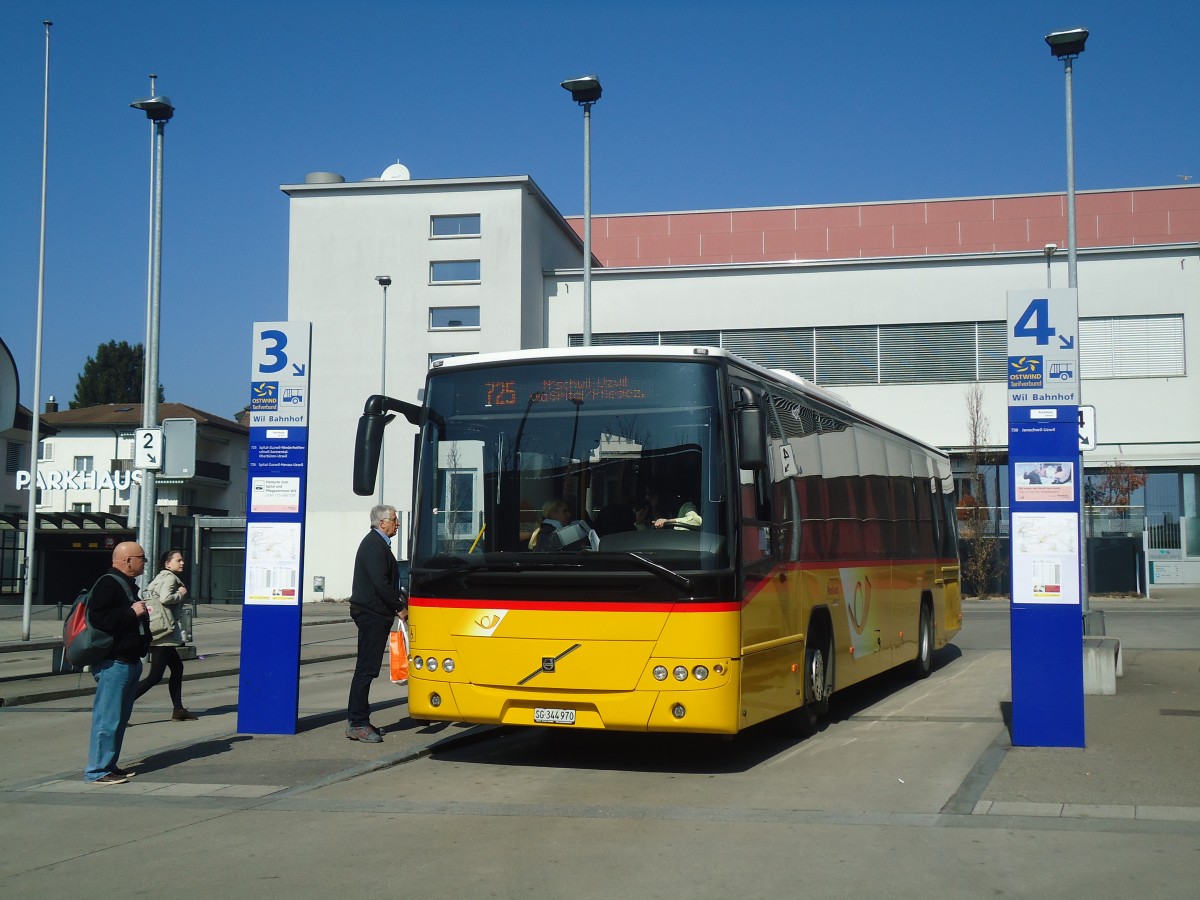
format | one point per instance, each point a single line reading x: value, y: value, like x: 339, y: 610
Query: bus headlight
x: 431, y: 664
x: 700, y: 672
x: 447, y: 665
x: 418, y: 663
x: 681, y: 673
x: 660, y: 673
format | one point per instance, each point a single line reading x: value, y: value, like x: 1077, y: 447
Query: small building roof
x: 130, y: 415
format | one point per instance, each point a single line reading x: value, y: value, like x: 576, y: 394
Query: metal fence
x: 1098, y: 521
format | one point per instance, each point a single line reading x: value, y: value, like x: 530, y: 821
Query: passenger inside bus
x: 555, y: 515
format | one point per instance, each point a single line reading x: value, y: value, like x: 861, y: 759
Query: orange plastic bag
x: 398, y: 651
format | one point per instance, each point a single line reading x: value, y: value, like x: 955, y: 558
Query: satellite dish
x: 395, y: 172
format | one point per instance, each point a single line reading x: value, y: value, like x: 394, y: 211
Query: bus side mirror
x: 367, y: 445
x: 752, y: 438
x: 369, y: 441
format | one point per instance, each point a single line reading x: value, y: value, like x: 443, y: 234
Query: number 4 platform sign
x: 1043, y: 348
x: 1044, y: 473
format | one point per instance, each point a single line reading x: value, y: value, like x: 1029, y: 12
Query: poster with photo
x: 1045, y: 481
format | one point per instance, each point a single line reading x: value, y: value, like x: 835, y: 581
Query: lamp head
x: 157, y: 108
x: 584, y: 89
x: 1050, y: 250
x: 384, y: 280
x: 1067, y: 44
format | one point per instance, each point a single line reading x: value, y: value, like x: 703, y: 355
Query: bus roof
x: 681, y: 353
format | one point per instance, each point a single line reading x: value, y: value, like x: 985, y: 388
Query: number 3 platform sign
x: 1044, y: 468
x: 269, y: 681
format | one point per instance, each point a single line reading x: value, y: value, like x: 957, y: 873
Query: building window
x: 454, y: 271
x: 1131, y: 347
x: 81, y: 507
x: 46, y: 450
x: 454, y: 226
x: 437, y: 357
x: 13, y: 458
x: 83, y: 464
x: 454, y: 317
x: 929, y: 353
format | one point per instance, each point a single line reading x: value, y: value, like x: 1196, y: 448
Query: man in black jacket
x: 115, y: 609
x: 375, y: 601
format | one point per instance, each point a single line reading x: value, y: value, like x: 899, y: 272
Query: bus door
x: 772, y: 627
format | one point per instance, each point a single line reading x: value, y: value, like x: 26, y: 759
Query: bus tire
x: 818, y: 674
x: 923, y: 664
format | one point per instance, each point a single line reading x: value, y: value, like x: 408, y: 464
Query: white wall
x: 901, y: 291
x: 341, y: 237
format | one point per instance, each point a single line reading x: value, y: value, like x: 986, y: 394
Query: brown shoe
x: 121, y: 773
x: 110, y: 778
x: 183, y: 715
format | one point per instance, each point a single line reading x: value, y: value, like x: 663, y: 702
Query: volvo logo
x: 549, y: 664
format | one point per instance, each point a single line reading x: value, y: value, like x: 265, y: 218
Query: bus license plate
x: 553, y: 716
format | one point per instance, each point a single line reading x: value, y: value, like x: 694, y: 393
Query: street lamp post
x: 1049, y: 250
x: 1066, y: 45
x: 384, y: 282
x: 158, y: 110
x: 36, y: 407
x: 585, y: 91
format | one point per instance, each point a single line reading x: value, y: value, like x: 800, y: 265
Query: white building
x: 899, y: 307
x: 458, y: 286
x: 84, y: 483
x: 86, y: 466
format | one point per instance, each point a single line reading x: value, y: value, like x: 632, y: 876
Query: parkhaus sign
x: 72, y: 480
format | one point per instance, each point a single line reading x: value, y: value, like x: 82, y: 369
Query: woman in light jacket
x: 163, y: 597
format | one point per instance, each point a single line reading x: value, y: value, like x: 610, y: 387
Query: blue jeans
x: 116, y: 684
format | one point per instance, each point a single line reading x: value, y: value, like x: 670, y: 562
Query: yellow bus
x: 660, y: 539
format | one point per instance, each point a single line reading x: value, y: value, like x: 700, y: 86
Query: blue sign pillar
x: 269, y: 680
x: 1045, y: 470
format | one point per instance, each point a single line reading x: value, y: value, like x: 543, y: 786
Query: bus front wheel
x: 923, y: 664
x: 818, y: 675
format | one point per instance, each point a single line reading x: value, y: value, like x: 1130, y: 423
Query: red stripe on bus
x: 576, y: 605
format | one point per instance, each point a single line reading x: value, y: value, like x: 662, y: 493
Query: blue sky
x: 706, y: 105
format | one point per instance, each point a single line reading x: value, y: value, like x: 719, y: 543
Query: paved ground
x: 949, y: 769
x: 1139, y: 762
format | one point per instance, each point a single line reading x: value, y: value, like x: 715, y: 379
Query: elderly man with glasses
x: 375, y: 601
x: 115, y: 609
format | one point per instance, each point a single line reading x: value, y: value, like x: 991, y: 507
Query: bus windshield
x: 572, y: 464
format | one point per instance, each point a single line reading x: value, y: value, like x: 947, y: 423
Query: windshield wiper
x: 668, y: 575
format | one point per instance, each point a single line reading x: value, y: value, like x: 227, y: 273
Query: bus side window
x: 754, y: 489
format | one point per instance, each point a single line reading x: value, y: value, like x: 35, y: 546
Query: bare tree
x: 1115, y: 486
x: 977, y: 534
